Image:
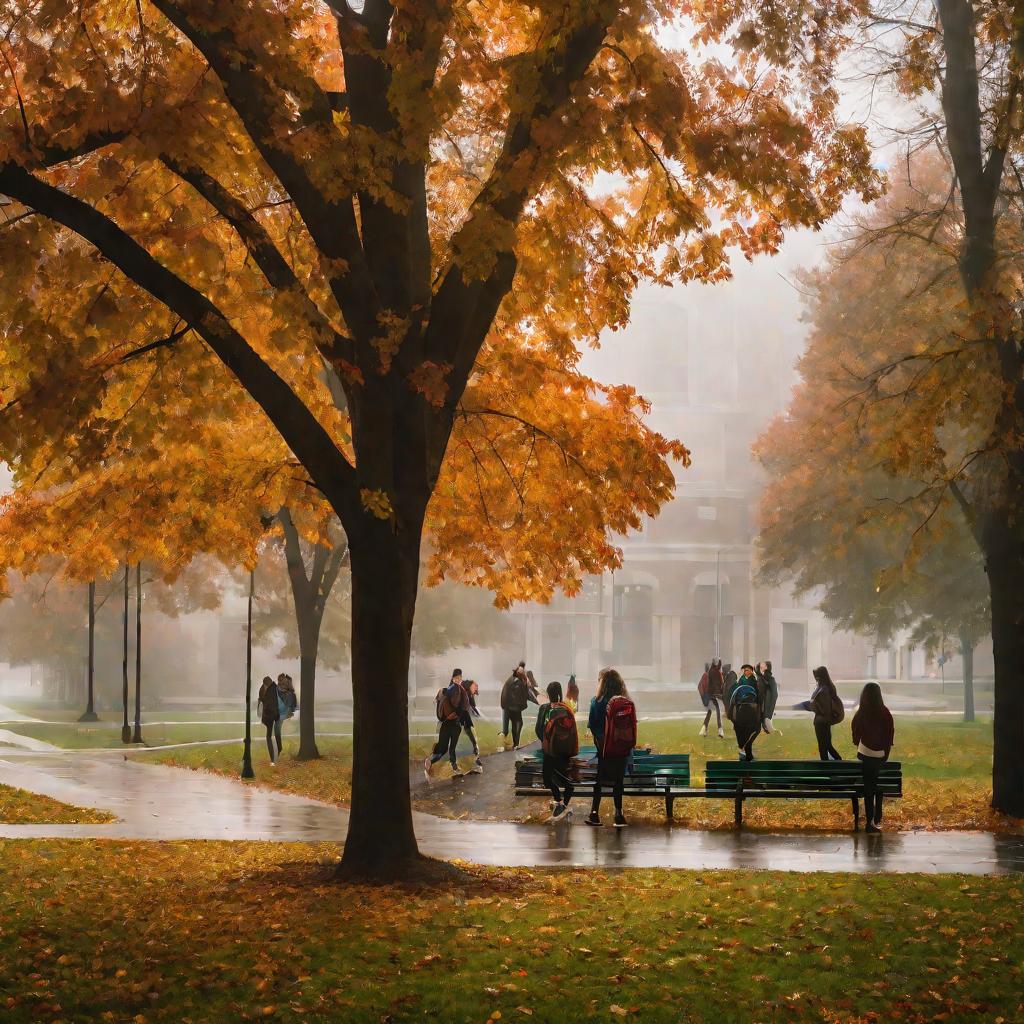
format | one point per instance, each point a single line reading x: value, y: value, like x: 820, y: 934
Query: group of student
x: 276, y: 703
x: 748, y: 699
x: 518, y: 692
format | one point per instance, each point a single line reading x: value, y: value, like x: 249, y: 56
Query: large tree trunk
x: 308, y: 749
x: 967, y: 653
x: 381, y: 843
x: 1004, y: 556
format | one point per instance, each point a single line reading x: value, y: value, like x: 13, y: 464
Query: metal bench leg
x: 739, y: 806
x: 669, y: 801
x: 856, y: 815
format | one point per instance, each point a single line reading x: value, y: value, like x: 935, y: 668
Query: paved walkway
x: 157, y: 802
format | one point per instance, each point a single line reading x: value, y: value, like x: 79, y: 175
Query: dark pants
x: 273, y: 733
x: 871, y: 767
x: 515, y: 719
x: 504, y: 722
x: 747, y: 725
x: 823, y: 734
x: 610, y: 770
x: 447, y: 741
x: 556, y: 774
x: 714, y: 702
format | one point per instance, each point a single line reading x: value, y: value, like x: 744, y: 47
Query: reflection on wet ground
x: 157, y: 802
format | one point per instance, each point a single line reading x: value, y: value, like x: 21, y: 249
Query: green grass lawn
x: 19, y: 807
x: 93, y: 735
x: 210, y: 932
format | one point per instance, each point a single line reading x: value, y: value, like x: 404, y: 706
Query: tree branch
x: 299, y: 428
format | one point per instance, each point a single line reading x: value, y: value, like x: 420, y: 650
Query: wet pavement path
x: 158, y: 802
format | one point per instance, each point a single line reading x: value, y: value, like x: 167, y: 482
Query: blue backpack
x: 745, y: 693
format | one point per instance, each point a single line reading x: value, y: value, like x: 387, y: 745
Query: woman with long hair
x: 827, y: 706
x: 873, y: 732
x: 716, y: 697
x: 615, y: 747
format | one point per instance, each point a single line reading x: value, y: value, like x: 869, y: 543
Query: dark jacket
x: 515, y: 694
x: 716, y: 683
x: 596, y: 719
x: 876, y: 731
x: 821, y: 705
x: 268, y: 699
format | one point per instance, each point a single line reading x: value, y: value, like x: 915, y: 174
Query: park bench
x: 797, y: 780
x: 666, y: 776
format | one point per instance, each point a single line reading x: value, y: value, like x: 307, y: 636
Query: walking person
x: 269, y: 709
x: 560, y: 743
x: 770, y: 688
x: 450, y: 704
x: 828, y: 710
x: 515, y: 696
x: 873, y: 732
x: 744, y: 712
x: 288, y: 698
x: 471, y: 711
x: 615, y: 748
x: 715, y: 697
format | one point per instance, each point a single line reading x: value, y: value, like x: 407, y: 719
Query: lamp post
x: 137, y: 734
x: 89, y: 715
x: 126, y: 731
x: 247, y: 772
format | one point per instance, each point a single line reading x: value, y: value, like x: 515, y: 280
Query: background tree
x: 390, y: 191
x: 853, y: 507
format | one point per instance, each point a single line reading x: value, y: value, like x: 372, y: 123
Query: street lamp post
x: 137, y: 735
x: 89, y: 715
x: 247, y: 772
x: 126, y: 731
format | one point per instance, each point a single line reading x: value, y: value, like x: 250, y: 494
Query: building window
x: 794, y: 645
x: 633, y: 629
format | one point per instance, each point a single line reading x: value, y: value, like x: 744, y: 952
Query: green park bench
x: 666, y: 776
x: 588, y: 753
x: 797, y: 780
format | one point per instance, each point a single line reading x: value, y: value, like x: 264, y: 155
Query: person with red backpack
x: 615, y: 744
x: 560, y: 743
x: 451, y: 707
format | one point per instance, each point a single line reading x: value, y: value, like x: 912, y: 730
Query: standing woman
x: 618, y: 738
x: 827, y: 706
x: 873, y: 732
x: 269, y: 710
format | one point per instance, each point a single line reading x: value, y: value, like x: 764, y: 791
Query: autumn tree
x: 949, y: 396
x: 391, y: 193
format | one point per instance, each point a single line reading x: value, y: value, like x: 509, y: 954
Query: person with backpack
x: 730, y: 678
x: 828, y: 710
x: 268, y: 707
x: 714, y: 691
x: 450, y: 703
x: 744, y: 712
x: 470, y: 712
x: 615, y: 747
x: 873, y: 732
x: 515, y: 696
x: 770, y: 695
x: 560, y: 743
x: 287, y: 697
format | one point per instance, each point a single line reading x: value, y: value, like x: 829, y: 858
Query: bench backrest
x: 724, y: 776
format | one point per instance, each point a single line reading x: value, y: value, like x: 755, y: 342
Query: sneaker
x: 557, y: 813
x: 568, y: 816
x: 552, y: 804
x: 594, y: 819
x: 703, y: 730
x: 620, y: 821
x: 478, y: 767
x: 515, y: 746
x: 742, y: 755
x: 427, y: 765
x: 457, y: 772
x: 768, y: 727
x: 273, y: 764
x: 871, y: 827
x: 721, y: 733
